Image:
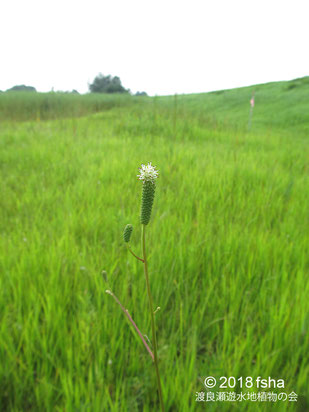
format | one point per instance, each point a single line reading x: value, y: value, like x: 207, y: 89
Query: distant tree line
x: 22, y: 88
x: 100, y: 84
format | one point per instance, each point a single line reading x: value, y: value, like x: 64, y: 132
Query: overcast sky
x: 162, y: 47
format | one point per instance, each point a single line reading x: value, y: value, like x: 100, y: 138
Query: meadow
x: 227, y: 242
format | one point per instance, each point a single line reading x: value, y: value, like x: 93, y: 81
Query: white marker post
x: 251, y: 111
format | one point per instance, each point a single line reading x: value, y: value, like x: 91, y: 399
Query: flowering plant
x: 148, y: 174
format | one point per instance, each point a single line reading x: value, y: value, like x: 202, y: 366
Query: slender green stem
x: 154, y: 339
x: 138, y: 258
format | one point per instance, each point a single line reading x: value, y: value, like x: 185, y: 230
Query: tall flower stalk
x: 148, y: 175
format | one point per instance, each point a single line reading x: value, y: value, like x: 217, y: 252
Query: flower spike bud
x: 127, y: 233
x: 147, y: 201
x: 148, y: 174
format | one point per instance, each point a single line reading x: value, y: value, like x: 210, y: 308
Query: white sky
x: 162, y: 47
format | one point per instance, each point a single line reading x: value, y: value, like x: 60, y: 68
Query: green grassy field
x: 228, y: 248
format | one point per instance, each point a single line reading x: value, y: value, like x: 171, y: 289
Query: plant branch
x: 142, y: 260
x: 125, y: 311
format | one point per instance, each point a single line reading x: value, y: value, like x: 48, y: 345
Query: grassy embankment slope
x: 228, y: 244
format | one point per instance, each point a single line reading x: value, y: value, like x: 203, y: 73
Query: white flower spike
x: 148, y: 173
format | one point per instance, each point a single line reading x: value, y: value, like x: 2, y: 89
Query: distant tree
x: 141, y: 94
x: 68, y: 92
x: 106, y: 84
x: 22, y: 88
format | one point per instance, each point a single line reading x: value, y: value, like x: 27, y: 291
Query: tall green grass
x: 228, y: 254
x: 22, y: 106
